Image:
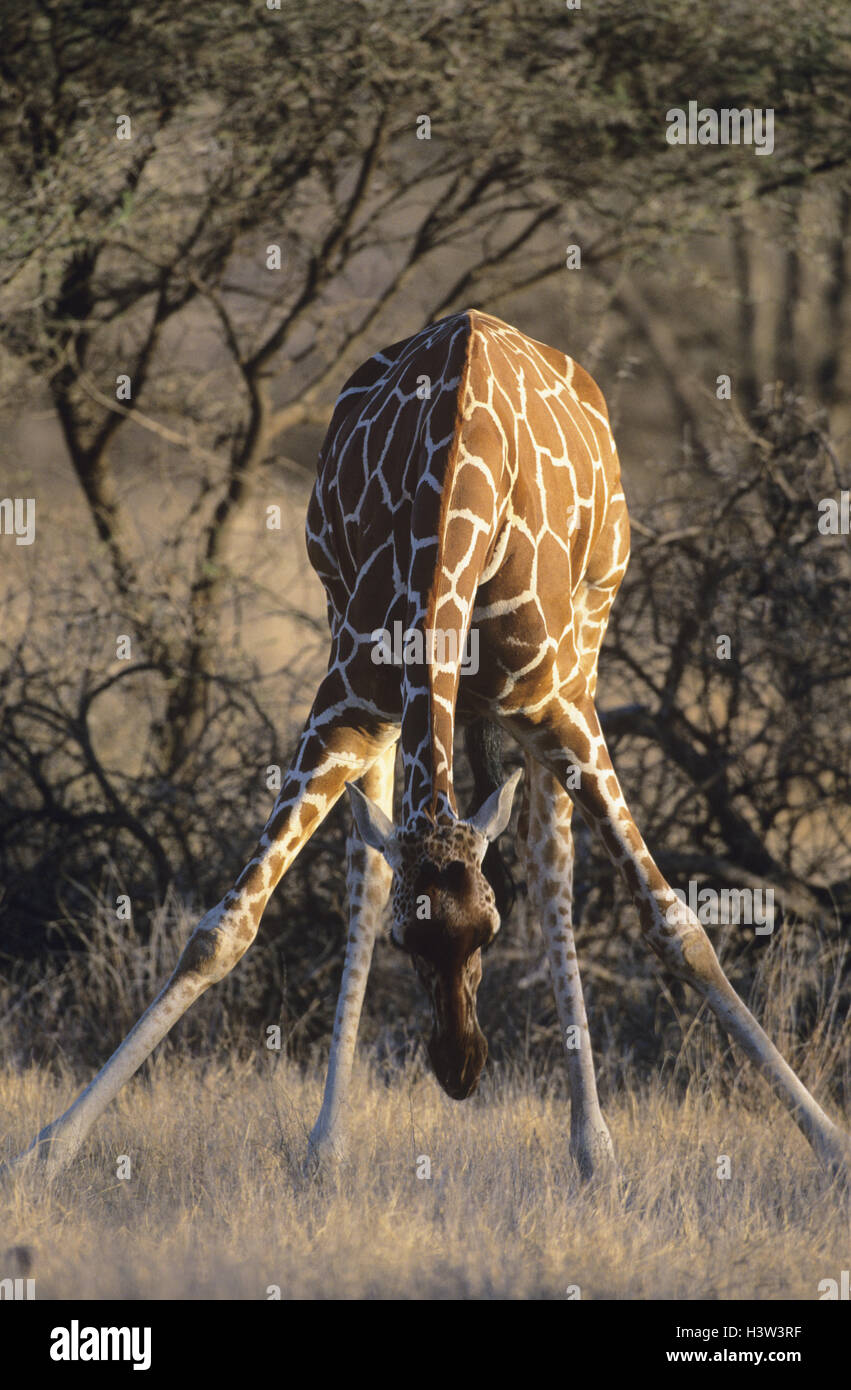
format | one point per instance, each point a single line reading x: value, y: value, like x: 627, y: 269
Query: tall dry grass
x: 217, y: 1204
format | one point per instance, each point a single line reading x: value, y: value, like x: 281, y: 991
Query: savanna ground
x: 217, y: 1203
x: 217, y: 1206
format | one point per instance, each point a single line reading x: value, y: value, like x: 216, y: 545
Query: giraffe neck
x: 453, y: 524
x: 427, y: 739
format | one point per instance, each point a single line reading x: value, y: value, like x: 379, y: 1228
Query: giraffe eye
x: 428, y: 876
x: 455, y: 876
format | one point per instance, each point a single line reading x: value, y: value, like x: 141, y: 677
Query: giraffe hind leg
x: 549, y: 858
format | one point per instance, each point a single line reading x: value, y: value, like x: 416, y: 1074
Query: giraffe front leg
x: 331, y: 752
x: 368, y: 881
x: 572, y: 741
x: 550, y: 858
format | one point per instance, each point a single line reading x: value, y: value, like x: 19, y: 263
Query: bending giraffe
x: 468, y: 482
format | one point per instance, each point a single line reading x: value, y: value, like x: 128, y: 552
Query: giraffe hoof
x: 325, y: 1154
x: 837, y: 1161
x: 594, y: 1156
x: 31, y: 1161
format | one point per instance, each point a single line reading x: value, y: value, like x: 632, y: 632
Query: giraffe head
x: 444, y: 913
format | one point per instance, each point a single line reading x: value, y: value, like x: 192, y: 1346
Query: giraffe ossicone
x: 492, y: 501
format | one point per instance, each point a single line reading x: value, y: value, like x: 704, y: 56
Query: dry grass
x: 217, y: 1205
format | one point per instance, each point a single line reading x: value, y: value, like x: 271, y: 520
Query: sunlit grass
x: 217, y: 1205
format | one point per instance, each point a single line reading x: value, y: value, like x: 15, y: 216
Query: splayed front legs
x: 330, y: 753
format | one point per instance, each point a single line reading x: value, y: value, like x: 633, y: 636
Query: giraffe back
x: 468, y: 479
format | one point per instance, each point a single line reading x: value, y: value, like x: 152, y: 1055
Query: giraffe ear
x: 373, y: 826
x: 492, y: 817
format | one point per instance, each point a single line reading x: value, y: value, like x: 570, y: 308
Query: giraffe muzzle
x: 458, y: 1065
x: 457, y: 1048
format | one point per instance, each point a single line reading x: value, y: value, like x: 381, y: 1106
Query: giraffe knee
x: 212, y: 951
x: 700, y: 957
x: 690, y: 955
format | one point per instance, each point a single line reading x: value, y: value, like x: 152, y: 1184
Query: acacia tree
x: 732, y: 639
x: 299, y: 129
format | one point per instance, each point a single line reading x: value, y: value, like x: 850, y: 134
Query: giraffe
x: 468, y: 482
